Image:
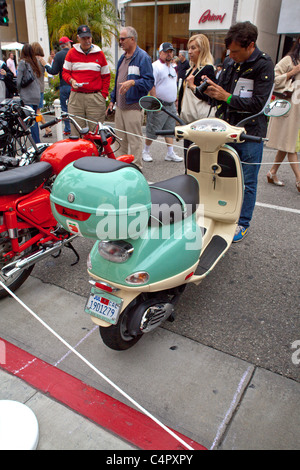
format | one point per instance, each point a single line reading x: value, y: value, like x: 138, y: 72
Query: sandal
x: 298, y: 185
x: 47, y: 135
x: 271, y: 180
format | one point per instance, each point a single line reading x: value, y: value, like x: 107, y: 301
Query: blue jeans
x: 64, y: 93
x: 249, y: 152
x: 35, y: 131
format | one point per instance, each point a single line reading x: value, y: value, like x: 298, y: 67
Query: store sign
x: 208, y: 16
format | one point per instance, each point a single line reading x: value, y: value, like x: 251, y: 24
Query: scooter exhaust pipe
x: 23, y: 263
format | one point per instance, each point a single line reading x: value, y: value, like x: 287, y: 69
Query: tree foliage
x: 64, y: 17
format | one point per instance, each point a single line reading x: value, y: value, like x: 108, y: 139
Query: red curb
x: 113, y: 415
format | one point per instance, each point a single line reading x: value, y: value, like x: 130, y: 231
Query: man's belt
x: 165, y: 103
x: 88, y: 92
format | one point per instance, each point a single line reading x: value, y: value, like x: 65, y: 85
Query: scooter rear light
x: 77, y: 215
x: 189, y: 275
x: 117, y: 251
x: 103, y: 287
x: 141, y: 277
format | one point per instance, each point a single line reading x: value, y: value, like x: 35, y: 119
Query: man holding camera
x: 244, y: 87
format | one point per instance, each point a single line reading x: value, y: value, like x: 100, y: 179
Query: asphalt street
x: 225, y: 373
x: 248, y: 307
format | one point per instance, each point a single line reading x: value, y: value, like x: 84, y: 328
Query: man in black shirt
x: 182, y: 65
x: 244, y: 87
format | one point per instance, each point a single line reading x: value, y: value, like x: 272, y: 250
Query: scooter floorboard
x: 213, y: 251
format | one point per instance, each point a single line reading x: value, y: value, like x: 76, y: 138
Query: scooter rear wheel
x: 117, y: 336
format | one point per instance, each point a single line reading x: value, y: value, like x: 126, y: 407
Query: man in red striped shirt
x: 86, y: 70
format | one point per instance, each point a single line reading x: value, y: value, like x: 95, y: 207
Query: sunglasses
x: 123, y: 39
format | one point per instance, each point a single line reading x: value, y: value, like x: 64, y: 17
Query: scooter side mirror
x: 150, y: 103
x: 277, y: 108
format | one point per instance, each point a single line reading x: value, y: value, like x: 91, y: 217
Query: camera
x: 204, y: 85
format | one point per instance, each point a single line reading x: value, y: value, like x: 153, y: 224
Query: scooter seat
x: 25, y: 179
x: 174, y: 199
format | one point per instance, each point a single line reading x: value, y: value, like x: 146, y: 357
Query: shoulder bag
x: 28, y: 76
x: 193, y: 108
x: 285, y: 90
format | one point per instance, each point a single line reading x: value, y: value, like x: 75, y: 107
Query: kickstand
x: 69, y: 245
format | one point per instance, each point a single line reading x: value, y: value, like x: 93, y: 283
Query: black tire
x: 16, y: 281
x: 116, y: 336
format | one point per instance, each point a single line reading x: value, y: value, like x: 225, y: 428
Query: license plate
x: 104, y: 306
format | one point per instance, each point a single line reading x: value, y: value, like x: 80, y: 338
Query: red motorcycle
x: 28, y: 230
x: 97, y: 143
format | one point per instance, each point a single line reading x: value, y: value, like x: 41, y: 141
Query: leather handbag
x: 28, y: 76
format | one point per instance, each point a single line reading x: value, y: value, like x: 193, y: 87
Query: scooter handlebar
x: 103, y: 136
x: 251, y: 138
x: 49, y: 124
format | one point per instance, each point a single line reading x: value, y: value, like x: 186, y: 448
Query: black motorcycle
x: 16, y: 120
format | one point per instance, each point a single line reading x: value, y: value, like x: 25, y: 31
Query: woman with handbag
x: 28, y: 83
x: 39, y: 53
x: 192, y: 104
x: 283, y: 131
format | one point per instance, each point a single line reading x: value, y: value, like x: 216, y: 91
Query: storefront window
x: 172, y: 24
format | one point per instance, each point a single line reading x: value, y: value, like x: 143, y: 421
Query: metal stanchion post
x: 58, y: 127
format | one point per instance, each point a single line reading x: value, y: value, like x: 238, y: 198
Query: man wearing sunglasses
x: 165, y: 89
x: 134, y: 79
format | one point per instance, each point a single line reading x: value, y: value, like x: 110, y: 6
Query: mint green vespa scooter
x: 153, y: 240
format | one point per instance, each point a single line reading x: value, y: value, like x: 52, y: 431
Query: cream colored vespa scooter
x: 167, y: 235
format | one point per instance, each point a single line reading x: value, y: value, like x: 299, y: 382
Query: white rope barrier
x: 82, y: 358
x: 181, y: 147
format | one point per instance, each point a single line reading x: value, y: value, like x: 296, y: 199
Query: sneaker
x: 240, y: 233
x: 173, y: 158
x: 67, y: 133
x: 147, y: 157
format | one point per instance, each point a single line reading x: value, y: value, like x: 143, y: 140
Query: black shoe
x: 47, y: 135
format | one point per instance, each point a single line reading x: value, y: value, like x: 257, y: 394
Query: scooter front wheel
x: 117, y: 336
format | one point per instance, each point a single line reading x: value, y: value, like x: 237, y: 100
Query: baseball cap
x: 166, y: 46
x: 64, y: 40
x: 84, y: 31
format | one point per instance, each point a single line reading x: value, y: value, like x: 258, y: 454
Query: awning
x: 11, y: 46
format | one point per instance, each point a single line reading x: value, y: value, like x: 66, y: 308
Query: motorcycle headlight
x: 117, y: 251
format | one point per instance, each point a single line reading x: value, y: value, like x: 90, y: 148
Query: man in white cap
x: 165, y: 89
x: 56, y: 67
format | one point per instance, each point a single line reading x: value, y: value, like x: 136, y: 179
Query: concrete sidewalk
x: 212, y: 399
x: 60, y: 428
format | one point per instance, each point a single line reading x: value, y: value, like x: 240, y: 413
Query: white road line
x: 278, y: 208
